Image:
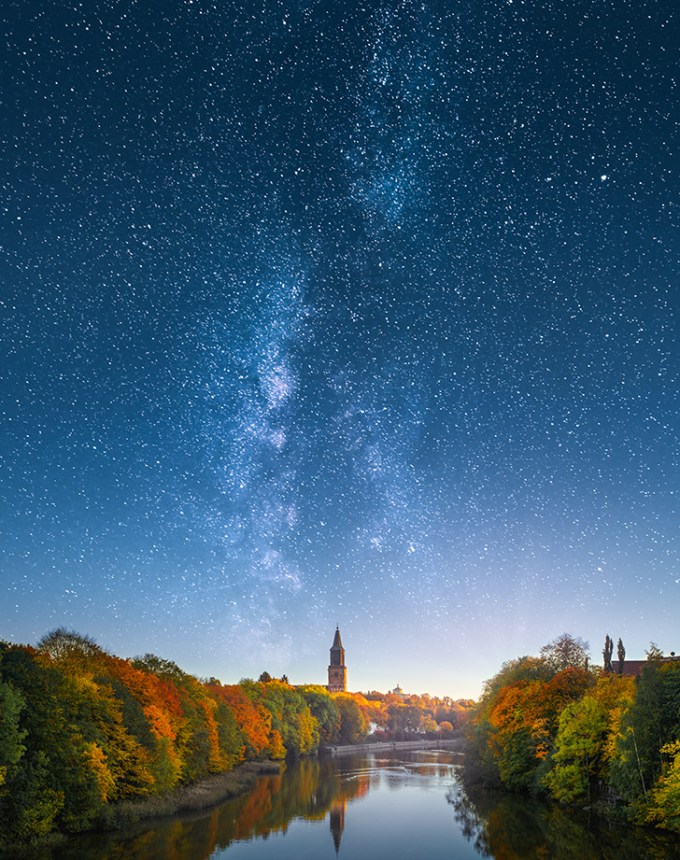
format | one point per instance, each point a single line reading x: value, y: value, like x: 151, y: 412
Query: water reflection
x: 369, y: 806
x: 516, y: 828
x: 337, y: 821
x: 311, y: 790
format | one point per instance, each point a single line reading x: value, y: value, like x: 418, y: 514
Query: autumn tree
x: 513, y: 727
x: 292, y: 722
x: 482, y: 761
x: 253, y: 719
x: 152, y: 711
x: 69, y: 647
x: 430, y: 726
x: 565, y: 651
x: 158, y: 666
x: 574, y: 733
x: 664, y: 803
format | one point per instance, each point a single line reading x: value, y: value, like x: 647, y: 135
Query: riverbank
x: 122, y: 817
x: 224, y: 786
x: 189, y: 798
x: 456, y: 744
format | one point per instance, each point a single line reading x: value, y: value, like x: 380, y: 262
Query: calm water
x: 405, y: 806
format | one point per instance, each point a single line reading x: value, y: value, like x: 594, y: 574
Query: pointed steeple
x: 337, y: 671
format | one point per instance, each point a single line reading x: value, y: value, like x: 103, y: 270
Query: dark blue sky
x: 320, y: 312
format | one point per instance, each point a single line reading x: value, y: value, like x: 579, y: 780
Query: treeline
x: 399, y: 717
x: 551, y: 726
x: 82, y: 730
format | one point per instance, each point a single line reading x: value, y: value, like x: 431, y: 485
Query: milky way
x: 356, y: 313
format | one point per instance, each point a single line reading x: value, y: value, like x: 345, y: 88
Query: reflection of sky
x: 358, y: 315
x: 400, y: 816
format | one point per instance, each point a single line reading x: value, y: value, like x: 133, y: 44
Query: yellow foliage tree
x: 664, y: 808
x: 95, y: 758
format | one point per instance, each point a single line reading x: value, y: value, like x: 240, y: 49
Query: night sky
x: 327, y: 312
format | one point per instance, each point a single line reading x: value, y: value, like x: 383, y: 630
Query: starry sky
x: 360, y: 313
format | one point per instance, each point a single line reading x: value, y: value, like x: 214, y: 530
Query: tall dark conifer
x: 621, y: 653
x: 607, y: 652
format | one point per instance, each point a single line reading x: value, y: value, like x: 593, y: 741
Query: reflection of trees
x: 497, y: 824
x: 470, y: 820
x: 310, y: 789
x: 515, y: 827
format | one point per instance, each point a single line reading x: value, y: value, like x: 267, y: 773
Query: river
x: 378, y: 806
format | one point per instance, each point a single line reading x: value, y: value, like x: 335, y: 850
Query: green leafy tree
x: 232, y: 746
x: 513, y: 729
x: 29, y: 809
x: 51, y: 784
x: 579, y: 750
x: 324, y: 709
x: 353, y: 721
x: 404, y: 719
x: 159, y: 666
x: 654, y: 653
x: 12, y: 735
x: 651, y: 722
x: 517, y: 762
x: 133, y: 717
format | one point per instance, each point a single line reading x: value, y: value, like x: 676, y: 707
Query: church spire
x: 337, y: 671
x: 337, y: 642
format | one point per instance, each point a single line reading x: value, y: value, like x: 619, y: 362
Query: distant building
x: 635, y: 667
x: 337, y: 671
x: 629, y: 667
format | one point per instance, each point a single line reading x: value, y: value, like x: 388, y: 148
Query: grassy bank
x: 186, y: 799
x: 189, y: 798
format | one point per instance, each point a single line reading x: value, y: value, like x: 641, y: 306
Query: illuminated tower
x: 337, y: 671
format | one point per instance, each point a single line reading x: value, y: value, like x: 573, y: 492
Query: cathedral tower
x: 337, y: 671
